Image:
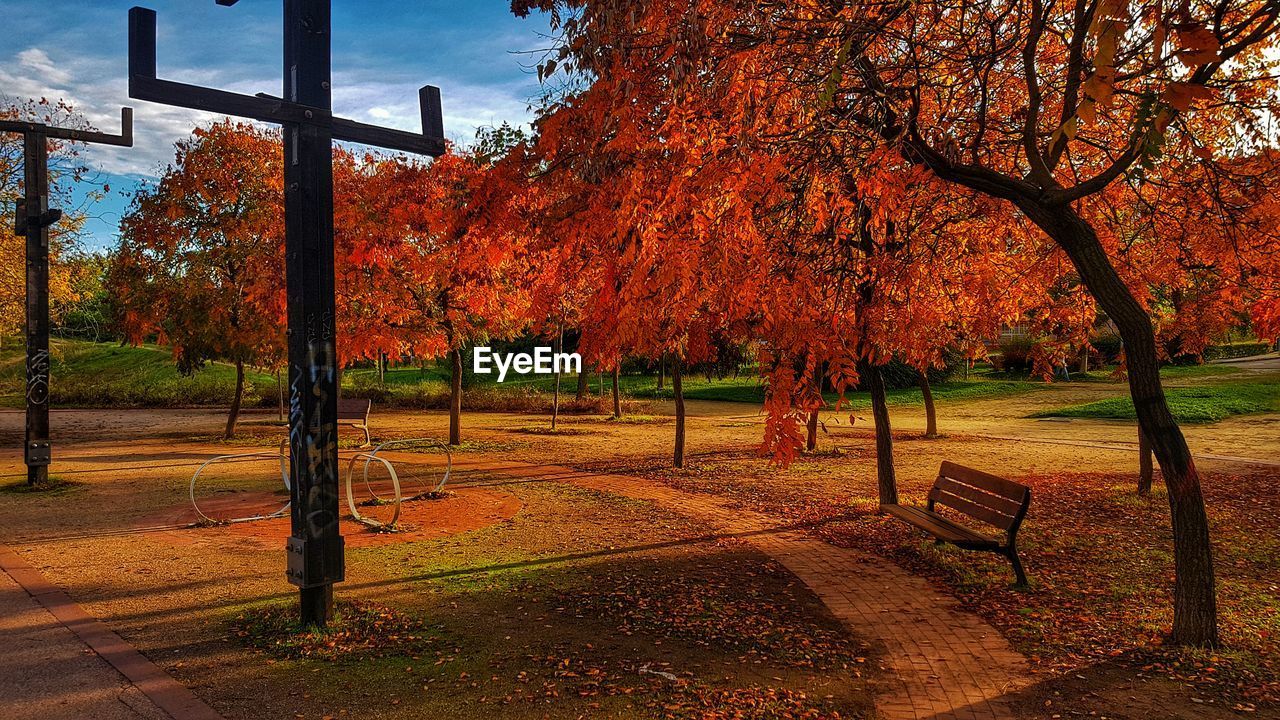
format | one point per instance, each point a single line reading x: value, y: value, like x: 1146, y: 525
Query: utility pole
x: 33, y: 218
x: 305, y: 112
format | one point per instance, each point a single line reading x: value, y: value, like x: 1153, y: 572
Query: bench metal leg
x: 367, y: 440
x: 1012, y: 554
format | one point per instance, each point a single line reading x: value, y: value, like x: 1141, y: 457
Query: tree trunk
x: 455, y: 398
x: 1195, y: 614
x: 930, y: 411
x: 382, y: 370
x: 1146, y: 470
x: 583, y: 380
x: 280, y: 392
x: 617, y: 398
x: 662, y: 372
x: 234, y: 415
x: 885, y: 478
x: 811, y: 432
x: 678, y: 389
x: 555, y: 399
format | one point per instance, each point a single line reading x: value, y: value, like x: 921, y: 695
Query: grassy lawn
x: 1107, y: 374
x: 746, y: 388
x: 1202, y: 404
x: 1178, y: 372
x: 86, y: 374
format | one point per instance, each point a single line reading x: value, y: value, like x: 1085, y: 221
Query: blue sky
x: 383, y: 51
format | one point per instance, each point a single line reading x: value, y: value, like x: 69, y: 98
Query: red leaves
x: 200, y: 262
x: 421, y: 254
x: 1181, y: 95
x: 1196, y: 44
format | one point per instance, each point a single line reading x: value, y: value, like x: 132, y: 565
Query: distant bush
x: 1223, y: 351
x: 1108, y: 346
x: 1016, y: 354
x: 1235, y: 350
x: 434, y: 395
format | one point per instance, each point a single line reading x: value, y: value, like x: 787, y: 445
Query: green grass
x: 397, y: 376
x: 953, y: 390
x: 1168, y: 372
x: 1107, y: 374
x: 87, y: 374
x: 1204, y: 404
x: 1174, y: 372
x: 748, y: 389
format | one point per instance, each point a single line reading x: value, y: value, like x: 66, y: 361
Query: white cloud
x: 35, y: 60
x: 97, y: 89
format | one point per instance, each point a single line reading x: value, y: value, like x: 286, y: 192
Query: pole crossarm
x: 144, y: 85
x: 124, y: 139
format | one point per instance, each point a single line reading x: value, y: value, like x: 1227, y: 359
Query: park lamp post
x: 305, y: 112
x: 32, y: 218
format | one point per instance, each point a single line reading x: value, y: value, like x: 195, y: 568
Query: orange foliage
x: 422, y: 253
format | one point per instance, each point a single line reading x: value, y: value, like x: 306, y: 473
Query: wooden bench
x: 992, y: 500
x: 356, y: 414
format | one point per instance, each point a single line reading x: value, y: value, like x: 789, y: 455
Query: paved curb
x: 170, y: 696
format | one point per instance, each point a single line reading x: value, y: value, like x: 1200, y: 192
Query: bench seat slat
x: 999, y: 503
x: 971, y: 508
x: 940, y: 527
x: 353, y: 409
x: 990, y: 483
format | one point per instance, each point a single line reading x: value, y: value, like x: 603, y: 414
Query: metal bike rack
x: 281, y: 455
x: 370, y: 457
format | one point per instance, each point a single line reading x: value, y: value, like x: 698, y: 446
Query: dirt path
x: 945, y: 662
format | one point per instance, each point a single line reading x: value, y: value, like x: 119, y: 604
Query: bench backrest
x: 985, y: 497
x: 354, y: 409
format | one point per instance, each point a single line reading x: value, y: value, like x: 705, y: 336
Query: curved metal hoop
x: 421, y: 442
x: 398, y: 499
x: 395, y: 485
x: 241, y: 457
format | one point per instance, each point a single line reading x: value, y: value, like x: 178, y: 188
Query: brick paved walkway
x: 945, y: 663
x: 62, y: 664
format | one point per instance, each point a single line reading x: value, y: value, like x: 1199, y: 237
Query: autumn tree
x: 1046, y: 107
x: 690, y: 232
x: 442, y: 243
x: 628, y: 272
x: 199, y: 262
